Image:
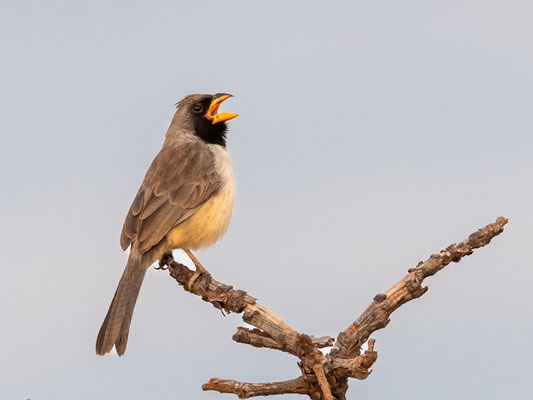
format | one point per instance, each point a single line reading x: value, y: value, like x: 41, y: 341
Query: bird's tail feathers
x: 116, y: 325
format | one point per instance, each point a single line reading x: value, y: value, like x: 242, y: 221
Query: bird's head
x: 199, y: 112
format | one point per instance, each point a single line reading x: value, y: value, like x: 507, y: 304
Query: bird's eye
x: 198, y: 108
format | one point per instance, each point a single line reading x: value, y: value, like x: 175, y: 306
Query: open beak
x: 212, y: 112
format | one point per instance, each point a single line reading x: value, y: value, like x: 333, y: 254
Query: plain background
x: 371, y: 134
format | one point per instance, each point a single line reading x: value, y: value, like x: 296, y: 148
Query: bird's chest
x: 212, y: 219
x: 218, y: 208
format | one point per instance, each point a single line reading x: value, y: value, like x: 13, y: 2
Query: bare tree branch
x: 376, y: 316
x: 324, y: 377
x: 245, y: 390
x: 258, y: 338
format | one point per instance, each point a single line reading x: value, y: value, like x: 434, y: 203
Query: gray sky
x: 371, y: 134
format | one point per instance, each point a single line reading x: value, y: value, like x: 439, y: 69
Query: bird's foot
x: 200, y: 270
x: 165, y: 260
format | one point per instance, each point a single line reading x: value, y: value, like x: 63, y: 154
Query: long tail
x: 116, y: 325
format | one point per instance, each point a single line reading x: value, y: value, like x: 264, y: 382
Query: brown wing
x: 181, y: 178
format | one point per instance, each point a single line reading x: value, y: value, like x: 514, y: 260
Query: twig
x: 245, y: 390
x: 376, y: 316
x: 258, y: 338
x: 318, y: 369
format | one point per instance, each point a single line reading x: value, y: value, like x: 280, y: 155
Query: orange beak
x: 212, y: 112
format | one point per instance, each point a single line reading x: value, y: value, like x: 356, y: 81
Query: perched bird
x: 184, y: 202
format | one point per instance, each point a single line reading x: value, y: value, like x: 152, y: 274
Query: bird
x: 184, y: 202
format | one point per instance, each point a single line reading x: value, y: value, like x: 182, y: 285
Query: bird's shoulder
x: 180, y: 159
x: 183, y: 175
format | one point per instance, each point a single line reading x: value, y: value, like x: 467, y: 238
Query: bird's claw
x: 199, y: 272
x: 162, y: 266
x: 165, y: 259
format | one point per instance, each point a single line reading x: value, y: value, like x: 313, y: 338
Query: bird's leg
x: 165, y: 259
x: 199, y: 269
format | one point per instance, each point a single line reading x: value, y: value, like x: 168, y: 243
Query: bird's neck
x: 211, y: 133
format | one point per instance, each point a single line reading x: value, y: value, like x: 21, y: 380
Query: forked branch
x: 324, y: 376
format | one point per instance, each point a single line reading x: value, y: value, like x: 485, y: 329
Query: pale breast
x: 211, y: 220
x: 223, y: 166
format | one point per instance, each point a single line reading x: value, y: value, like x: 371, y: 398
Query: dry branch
x: 376, y: 316
x: 246, y: 390
x: 324, y: 377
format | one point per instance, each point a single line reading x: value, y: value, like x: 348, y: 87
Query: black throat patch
x: 209, y: 132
